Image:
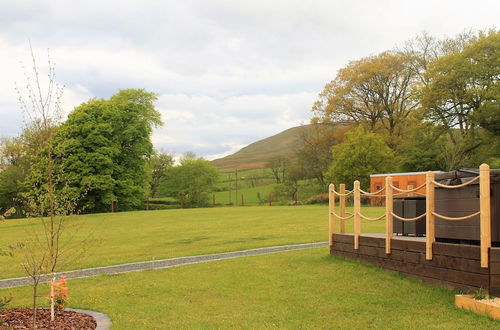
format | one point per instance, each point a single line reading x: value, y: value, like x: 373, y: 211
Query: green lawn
x: 146, y: 235
x: 293, y: 290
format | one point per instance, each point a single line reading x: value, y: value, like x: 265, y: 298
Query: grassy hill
x: 257, y: 154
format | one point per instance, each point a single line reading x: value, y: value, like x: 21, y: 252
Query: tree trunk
x: 52, y: 298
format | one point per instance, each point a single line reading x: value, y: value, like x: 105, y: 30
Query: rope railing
x: 342, y: 218
x: 470, y: 216
x: 430, y: 214
x: 457, y: 186
x: 365, y: 193
x: 372, y: 219
x: 349, y: 192
x: 408, y: 219
x: 408, y: 190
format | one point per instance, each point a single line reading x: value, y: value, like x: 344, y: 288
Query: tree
x: 17, y: 155
x: 361, y: 154
x: 46, y: 199
x: 106, y: 145
x: 191, y: 181
x: 314, y: 152
x: 374, y: 91
x: 423, y: 149
x: 278, y: 166
x: 463, y: 93
x: 10, y: 186
x: 158, y: 164
x: 289, y: 187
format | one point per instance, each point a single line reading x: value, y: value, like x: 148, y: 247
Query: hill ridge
x: 257, y: 154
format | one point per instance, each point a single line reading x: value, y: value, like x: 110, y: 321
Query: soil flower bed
x: 21, y: 318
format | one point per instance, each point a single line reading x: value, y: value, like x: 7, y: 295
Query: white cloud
x: 227, y: 72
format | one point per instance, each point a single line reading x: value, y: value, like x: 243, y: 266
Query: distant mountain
x: 257, y: 154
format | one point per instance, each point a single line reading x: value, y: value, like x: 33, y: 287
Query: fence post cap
x: 484, y: 167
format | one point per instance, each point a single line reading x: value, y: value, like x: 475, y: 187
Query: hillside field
x: 257, y: 154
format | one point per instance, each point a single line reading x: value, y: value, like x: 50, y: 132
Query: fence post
x: 484, y: 207
x: 430, y: 236
x: 147, y: 204
x: 357, y: 217
x: 388, y: 214
x: 242, y: 202
x: 331, y: 209
x: 342, y: 207
x: 112, y: 206
x: 270, y: 199
x: 410, y: 187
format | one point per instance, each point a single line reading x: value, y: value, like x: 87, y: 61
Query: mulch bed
x: 21, y: 318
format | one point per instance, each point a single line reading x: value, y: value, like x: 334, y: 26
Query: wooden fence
x: 430, y: 214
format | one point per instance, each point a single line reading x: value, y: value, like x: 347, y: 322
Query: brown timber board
x: 456, y: 266
x: 457, y: 250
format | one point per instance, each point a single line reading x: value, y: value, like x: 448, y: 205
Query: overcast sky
x: 227, y: 73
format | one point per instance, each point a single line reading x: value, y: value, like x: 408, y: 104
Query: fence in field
x: 430, y: 214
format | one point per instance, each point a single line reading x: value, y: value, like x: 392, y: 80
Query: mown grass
x: 293, y: 290
x: 146, y: 235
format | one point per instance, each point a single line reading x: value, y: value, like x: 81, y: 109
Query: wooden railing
x: 430, y: 214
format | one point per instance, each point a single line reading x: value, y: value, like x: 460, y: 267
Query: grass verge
x: 292, y: 290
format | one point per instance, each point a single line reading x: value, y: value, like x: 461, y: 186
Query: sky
x: 227, y: 73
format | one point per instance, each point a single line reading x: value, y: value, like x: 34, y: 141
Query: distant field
x: 290, y: 290
x: 146, y: 235
x: 250, y: 196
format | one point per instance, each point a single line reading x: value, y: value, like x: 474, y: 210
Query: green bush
x: 318, y: 199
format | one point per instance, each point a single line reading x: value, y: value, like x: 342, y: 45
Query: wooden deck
x: 454, y: 266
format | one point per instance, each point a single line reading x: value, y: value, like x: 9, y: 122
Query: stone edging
x: 160, y: 264
x: 102, y: 320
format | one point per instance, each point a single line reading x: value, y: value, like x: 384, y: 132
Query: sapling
x: 48, y: 200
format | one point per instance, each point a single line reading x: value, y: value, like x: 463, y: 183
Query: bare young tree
x: 47, y: 201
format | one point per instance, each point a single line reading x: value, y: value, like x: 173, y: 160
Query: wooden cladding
x: 453, y: 265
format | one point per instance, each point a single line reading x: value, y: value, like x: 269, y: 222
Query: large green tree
x: 362, y: 153
x: 463, y: 94
x: 192, y: 182
x: 106, y: 145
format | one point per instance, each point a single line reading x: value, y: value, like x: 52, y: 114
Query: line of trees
x: 100, y: 155
x: 432, y: 104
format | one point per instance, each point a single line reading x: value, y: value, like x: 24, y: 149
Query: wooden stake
x: 410, y: 187
x: 485, y: 219
x: 357, y: 217
x: 270, y: 199
x: 147, y: 204
x: 112, y: 206
x: 331, y: 210
x: 242, y: 201
x: 388, y: 214
x: 342, y: 208
x: 213, y: 199
x: 430, y: 236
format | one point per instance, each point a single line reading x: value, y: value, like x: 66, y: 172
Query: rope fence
x: 430, y: 214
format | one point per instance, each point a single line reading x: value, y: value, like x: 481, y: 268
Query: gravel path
x: 162, y: 263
